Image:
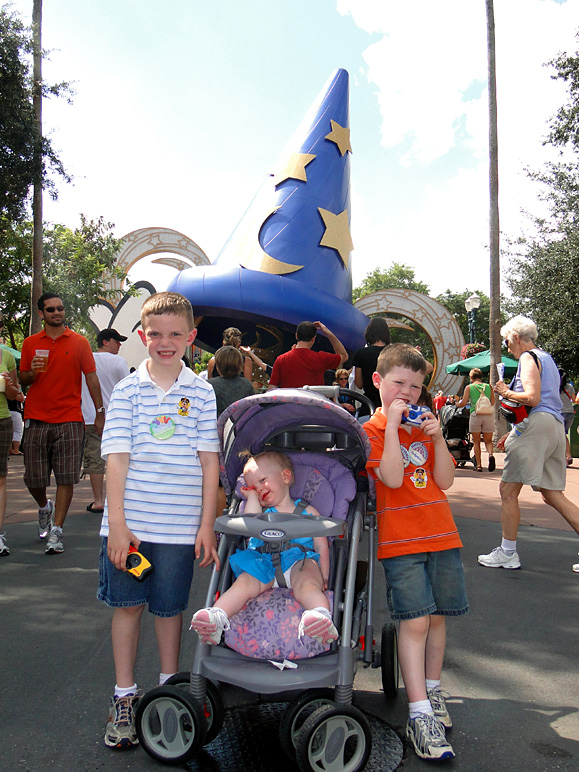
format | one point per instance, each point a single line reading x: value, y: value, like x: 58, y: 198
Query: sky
x: 182, y: 108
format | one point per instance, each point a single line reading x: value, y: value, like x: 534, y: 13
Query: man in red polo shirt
x: 53, y: 420
x: 303, y: 367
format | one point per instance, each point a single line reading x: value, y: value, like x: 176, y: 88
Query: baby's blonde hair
x: 279, y: 459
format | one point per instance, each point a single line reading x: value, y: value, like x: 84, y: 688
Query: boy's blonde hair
x: 168, y: 303
x: 277, y: 458
x: 400, y: 355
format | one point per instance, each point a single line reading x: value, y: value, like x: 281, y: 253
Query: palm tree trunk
x: 36, y: 288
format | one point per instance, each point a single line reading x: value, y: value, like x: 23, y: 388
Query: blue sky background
x: 183, y: 107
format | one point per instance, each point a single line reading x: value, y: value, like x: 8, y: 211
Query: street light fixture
x: 472, y: 304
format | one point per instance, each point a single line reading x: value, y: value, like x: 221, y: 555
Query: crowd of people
x: 159, y: 450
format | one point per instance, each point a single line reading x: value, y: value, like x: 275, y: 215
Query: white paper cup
x: 2, y: 383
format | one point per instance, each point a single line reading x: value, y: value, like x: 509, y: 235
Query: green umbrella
x: 482, y: 360
x: 15, y: 354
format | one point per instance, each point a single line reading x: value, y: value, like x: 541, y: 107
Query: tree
x: 77, y: 263
x: 454, y: 303
x: 18, y: 123
x: 398, y: 276
x: 544, y: 265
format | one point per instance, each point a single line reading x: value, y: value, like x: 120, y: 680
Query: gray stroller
x: 320, y: 729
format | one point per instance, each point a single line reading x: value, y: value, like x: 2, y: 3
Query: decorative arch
x: 149, y: 241
x: 438, y: 323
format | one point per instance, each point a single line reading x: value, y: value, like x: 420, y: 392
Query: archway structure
x: 150, y: 241
x: 438, y: 323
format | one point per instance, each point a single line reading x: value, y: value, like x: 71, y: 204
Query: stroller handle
x: 333, y: 392
x: 273, y: 526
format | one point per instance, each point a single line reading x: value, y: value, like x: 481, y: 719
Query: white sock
x: 423, y: 706
x: 57, y: 528
x: 323, y: 611
x: 509, y: 547
x: 123, y: 691
x: 164, y: 677
x: 45, y: 508
x: 430, y: 685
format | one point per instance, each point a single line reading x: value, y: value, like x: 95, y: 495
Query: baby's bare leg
x: 244, y: 588
x: 308, y: 584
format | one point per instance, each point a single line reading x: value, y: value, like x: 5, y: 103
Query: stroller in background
x: 454, y: 423
x: 320, y: 728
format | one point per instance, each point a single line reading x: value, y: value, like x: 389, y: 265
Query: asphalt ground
x: 511, y: 665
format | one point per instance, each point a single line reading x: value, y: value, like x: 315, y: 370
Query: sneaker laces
x: 124, y: 710
x: 437, y: 698
x: 433, y: 727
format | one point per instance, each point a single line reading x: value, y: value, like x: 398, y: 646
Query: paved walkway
x: 511, y: 664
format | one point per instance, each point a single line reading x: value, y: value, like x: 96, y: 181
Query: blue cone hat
x: 288, y: 259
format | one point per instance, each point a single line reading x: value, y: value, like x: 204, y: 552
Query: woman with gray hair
x: 535, y: 447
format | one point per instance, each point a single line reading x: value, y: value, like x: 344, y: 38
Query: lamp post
x: 472, y: 304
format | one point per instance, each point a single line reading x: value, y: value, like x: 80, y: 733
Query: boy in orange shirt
x: 418, y: 542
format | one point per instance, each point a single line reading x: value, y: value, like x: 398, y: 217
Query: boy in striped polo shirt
x: 160, y: 441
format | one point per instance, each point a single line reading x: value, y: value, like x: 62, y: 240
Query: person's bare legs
x: 510, y: 510
x: 412, y: 640
x: 168, y: 631
x: 564, y: 507
x: 435, y: 646
x: 2, y: 500
x: 244, y: 588
x: 488, y: 441
x: 62, y: 501
x: 97, y: 483
x: 476, y: 443
x: 308, y: 585
x: 125, y: 632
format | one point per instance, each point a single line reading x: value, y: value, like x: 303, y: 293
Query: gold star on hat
x: 341, y: 136
x: 337, y: 233
x: 295, y: 168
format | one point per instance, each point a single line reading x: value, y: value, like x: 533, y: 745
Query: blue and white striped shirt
x: 163, y: 495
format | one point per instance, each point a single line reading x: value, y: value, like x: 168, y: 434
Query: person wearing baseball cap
x: 110, y: 369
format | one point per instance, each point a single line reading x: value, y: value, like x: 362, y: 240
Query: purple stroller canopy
x: 248, y: 424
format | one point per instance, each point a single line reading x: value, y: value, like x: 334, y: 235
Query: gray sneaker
x: 45, y: 519
x: 498, y: 558
x: 428, y: 738
x: 55, y: 543
x: 120, y: 730
x: 438, y: 701
x: 3, y: 546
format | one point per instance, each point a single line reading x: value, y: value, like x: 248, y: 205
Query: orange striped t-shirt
x: 415, y: 517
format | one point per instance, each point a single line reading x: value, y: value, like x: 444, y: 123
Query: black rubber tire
x: 297, y: 712
x: 214, y: 707
x: 389, y: 660
x: 324, y: 729
x: 170, y: 724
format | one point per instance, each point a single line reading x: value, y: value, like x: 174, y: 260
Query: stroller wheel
x: 334, y: 737
x: 213, y: 708
x: 170, y: 724
x: 296, y: 713
x: 389, y: 660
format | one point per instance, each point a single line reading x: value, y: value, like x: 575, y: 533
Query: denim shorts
x: 425, y: 583
x: 166, y: 590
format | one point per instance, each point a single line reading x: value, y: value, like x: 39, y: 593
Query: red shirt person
x: 52, y: 414
x: 303, y: 367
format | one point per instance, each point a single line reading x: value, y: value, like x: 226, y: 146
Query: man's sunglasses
x: 52, y: 309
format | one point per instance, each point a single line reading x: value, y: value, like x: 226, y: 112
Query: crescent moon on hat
x: 254, y: 257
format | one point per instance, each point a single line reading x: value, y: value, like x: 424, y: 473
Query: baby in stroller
x: 304, y: 567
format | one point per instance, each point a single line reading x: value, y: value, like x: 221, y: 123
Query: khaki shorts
x: 537, y: 457
x: 481, y: 423
x: 92, y: 462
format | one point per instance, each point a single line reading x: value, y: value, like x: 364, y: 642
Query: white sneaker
x: 45, y: 520
x: 428, y: 737
x: 438, y: 701
x: 576, y: 568
x: 3, y: 546
x: 209, y: 624
x: 498, y: 558
x: 55, y: 542
x: 318, y: 626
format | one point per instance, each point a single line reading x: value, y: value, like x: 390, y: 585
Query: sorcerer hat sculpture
x: 288, y: 259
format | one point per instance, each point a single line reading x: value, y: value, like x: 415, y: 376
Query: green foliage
x: 201, y: 365
x: 20, y: 163
x: 454, y: 303
x: 77, y: 265
x: 398, y: 276
x: 544, y: 266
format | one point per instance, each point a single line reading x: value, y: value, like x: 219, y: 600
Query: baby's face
x: 271, y: 483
